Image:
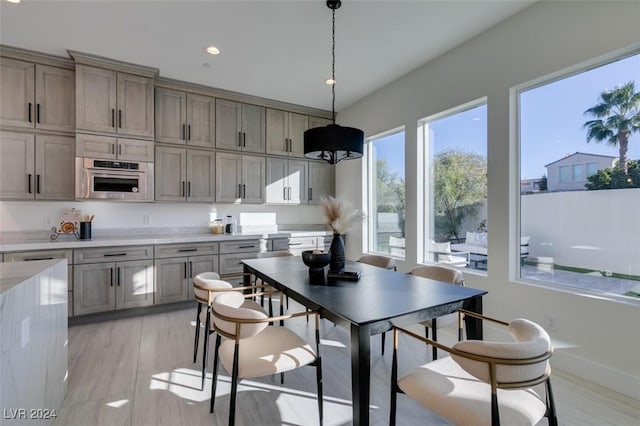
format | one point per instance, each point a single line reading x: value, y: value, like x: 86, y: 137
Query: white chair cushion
x: 274, y: 350
x: 446, y: 389
x: 208, y: 280
x: 230, y: 304
x: 531, y: 341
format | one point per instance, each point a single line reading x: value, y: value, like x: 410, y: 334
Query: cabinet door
x: 200, y: 175
x: 17, y: 100
x: 95, y: 146
x: 298, y: 124
x: 253, y: 172
x: 297, y: 181
x: 253, y: 128
x: 95, y: 99
x: 228, y: 125
x: 228, y: 177
x: 17, y: 171
x: 276, y: 180
x: 55, y: 167
x: 171, y: 116
x: 321, y: 181
x: 171, y: 280
x: 171, y: 174
x: 277, y: 142
x: 94, y: 288
x: 55, y: 98
x: 135, y: 150
x: 135, y: 105
x: 134, y: 284
x: 201, y: 120
x: 318, y: 122
x: 198, y: 265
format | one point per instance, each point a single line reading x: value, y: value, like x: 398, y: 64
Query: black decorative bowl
x: 315, y: 261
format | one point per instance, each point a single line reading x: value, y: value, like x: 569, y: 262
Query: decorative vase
x: 337, y: 253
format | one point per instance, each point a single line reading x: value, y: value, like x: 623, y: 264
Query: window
x: 579, y: 236
x: 455, y: 185
x: 385, y: 210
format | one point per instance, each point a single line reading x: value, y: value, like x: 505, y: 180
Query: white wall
x: 595, y: 338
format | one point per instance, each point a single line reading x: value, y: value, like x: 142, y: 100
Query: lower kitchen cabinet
x: 107, y: 286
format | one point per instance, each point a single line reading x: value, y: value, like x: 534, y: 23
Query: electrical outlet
x: 26, y: 329
x: 550, y: 322
x: 146, y: 219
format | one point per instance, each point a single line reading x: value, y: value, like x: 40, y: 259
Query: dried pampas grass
x: 340, y: 215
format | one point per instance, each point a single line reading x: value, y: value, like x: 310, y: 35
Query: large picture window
x: 385, y: 210
x: 455, y: 185
x: 581, y: 135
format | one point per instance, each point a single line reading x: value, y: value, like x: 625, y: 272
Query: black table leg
x: 473, y: 325
x: 360, y: 373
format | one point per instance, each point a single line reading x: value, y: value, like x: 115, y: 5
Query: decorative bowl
x: 315, y: 260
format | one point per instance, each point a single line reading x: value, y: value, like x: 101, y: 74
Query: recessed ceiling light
x: 13, y: 1
x: 330, y: 81
x: 212, y: 50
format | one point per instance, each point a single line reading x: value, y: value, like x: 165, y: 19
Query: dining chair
x: 482, y: 382
x: 206, y: 286
x: 254, y: 348
x: 381, y: 262
x: 444, y: 274
x: 267, y: 254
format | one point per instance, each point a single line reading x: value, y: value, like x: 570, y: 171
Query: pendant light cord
x: 333, y: 65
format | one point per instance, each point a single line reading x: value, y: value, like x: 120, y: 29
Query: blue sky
x: 551, y: 122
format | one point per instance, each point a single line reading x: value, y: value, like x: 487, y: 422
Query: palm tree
x: 617, y: 118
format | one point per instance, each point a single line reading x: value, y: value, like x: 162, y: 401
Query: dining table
x: 377, y: 301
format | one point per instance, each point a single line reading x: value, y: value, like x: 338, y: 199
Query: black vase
x: 337, y: 253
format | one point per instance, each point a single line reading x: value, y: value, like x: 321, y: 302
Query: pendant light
x: 333, y: 143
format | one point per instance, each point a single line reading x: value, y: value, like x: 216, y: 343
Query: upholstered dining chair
x: 253, y: 348
x: 381, y: 262
x: 448, y: 275
x: 483, y: 382
x: 206, y: 286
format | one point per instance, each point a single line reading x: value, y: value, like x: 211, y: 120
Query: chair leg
x: 214, y: 377
x: 551, y: 405
x: 382, y: 339
x: 207, y: 328
x: 495, y: 413
x: 394, y: 386
x: 197, y: 336
x: 319, y: 384
x: 234, y: 386
x: 434, y: 335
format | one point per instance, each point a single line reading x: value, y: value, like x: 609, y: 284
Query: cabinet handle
x: 189, y: 189
x: 38, y: 113
x: 239, y: 138
x: 185, y: 271
x: 244, y: 191
x: 118, y: 276
x: 284, y: 192
x: 310, y: 194
x: 119, y: 149
x: 251, y: 246
x: 120, y: 118
x: 182, y: 194
x: 29, y: 111
x: 29, y: 176
x: 189, y: 132
x: 113, y: 117
x: 239, y: 190
x: 185, y: 250
x: 111, y: 277
x: 289, y: 193
x: 184, y: 133
x: 29, y: 259
x: 113, y: 148
x: 114, y: 254
x: 244, y: 139
x: 190, y: 269
x: 37, y: 184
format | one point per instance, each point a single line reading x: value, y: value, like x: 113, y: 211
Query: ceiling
x: 273, y: 49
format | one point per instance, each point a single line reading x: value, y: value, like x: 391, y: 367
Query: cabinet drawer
x: 245, y: 246
x: 112, y: 254
x: 24, y: 256
x: 231, y: 263
x: 176, y: 250
x: 279, y: 244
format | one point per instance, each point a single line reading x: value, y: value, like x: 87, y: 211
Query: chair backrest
x: 531, y: 341
x: 228, y: 311
x: 281, y: 253
x: 379, y: 261
x: 205, y: 281
x: 439, y: 273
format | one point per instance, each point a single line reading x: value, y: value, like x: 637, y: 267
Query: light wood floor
x: 139, y: 371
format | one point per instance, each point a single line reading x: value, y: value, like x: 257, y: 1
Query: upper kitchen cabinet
x: 286, y: 181
x: 184, y: 174
x: 321, y: 181
x: 240, y: 127
x: 113, y: 97
x: 185, y: 118
x: 37, y: 166
x: 318, y: 122
x: 240, y: 178
x: 36, y: 96
x: 285, y: 133
x: 112, y: 148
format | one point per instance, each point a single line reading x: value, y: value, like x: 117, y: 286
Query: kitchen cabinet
x: 286, y: 181
x: 321, y: 181
x: 112, y: 278
x: 27, y: 256
x: 36, y: 96
x: 112, y: 148
x: 285, y: 133
x: 318, y: 122
x: 184, y: 118
x: 40, y: 167
x: 240, y: 178
x: 231, y: 255
x: 299, y: 243
x: 240, y: 127
x: 177, y: 264
x: 113, y: 102
x: 184, y: 174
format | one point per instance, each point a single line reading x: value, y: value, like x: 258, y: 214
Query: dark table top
x: 379, y: 295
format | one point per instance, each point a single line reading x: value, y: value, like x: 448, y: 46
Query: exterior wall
x: 573, y: 184
x: 540, y: 41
